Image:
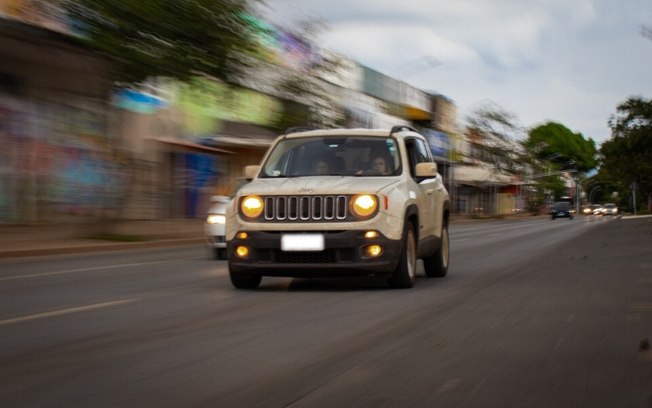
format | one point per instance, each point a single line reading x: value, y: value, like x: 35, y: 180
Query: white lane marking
x: 64, y: 311
x: 450, y: 384
x: 94, y: 268
x: 641, y: 307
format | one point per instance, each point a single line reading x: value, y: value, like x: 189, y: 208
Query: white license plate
x: 302, y: 242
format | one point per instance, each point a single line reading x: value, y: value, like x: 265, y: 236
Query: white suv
x: 340, y: 202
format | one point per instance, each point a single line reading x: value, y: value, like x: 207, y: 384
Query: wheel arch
x: 412, y: 216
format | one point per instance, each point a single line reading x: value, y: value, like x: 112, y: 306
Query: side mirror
x: 251, y: 172
x: 426, y: 170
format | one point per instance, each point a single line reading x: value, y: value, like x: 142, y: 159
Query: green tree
x: 557, y: 148
x: 171, y: 38
x: 627, y: 157
x: 305, y: 95
x: 552, y: 148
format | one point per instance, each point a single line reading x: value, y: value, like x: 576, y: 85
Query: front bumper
x: 214, y: 235
x: 343, y: 255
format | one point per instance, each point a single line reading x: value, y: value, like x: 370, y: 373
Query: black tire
x: 241, y: 281
x: 405, y: 273
x: 219, y: 254
x: 436, y: 265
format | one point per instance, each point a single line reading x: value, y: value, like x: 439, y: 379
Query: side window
x: 417, y: 153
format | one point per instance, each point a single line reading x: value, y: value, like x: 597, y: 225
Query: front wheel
x: 219, y: 254
x: 242, y: 281
x: 405, y: 273
x: 436, y: 265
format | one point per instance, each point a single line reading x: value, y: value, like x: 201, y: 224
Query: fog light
x: 371, y: 234
x: 372, y: 251
x: 241, y: 235
x: 242, y: 251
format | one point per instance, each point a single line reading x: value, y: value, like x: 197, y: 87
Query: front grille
x: 306, y: 208
x: 328, y: 256
x: 341, y: 255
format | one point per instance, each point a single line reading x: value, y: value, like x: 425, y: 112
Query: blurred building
x: 79, y: 147
x: 56, y: 158
x: 484, y: 184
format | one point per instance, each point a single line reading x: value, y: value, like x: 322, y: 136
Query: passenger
x: 322, y: 167
x: 379, y: 165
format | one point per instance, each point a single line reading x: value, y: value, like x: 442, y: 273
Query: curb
x: 97, y: 247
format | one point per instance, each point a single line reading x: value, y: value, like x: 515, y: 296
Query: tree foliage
x: 554, y: 143
x: 498, y: 135
x: 627, y: 156
x: 307, y: 101
x: 172, y: 38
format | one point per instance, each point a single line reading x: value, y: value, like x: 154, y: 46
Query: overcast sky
x: 568, y: 61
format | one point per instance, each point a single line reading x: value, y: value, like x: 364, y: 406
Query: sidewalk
x: 55, y: 239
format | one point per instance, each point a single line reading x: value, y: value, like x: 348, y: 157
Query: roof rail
x: 297, y: 129
x: 398, y: 128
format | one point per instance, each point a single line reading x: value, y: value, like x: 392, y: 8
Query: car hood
x: 317, y: 185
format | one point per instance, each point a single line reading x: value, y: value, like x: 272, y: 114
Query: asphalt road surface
x: 533, y: 313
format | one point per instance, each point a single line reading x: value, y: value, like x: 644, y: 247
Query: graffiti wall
x: 196, y: 174
x: 205, y: 103
x: 54, y: 160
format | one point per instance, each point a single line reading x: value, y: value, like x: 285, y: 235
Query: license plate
x: 302, y: 242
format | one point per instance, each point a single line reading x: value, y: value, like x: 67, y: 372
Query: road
x: 533, y: 313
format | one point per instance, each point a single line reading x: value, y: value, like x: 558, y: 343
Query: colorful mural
x: 55, y: 160
x: 205, y: 103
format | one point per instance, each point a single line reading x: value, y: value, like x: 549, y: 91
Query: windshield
x: 333, y: 156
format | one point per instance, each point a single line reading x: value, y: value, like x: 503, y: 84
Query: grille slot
x: 306, y: 208
x: 321, y: 257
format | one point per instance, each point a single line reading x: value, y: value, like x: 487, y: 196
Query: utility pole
x: 634, y: 193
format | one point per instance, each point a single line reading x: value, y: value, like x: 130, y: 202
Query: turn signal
x: 371, y: 234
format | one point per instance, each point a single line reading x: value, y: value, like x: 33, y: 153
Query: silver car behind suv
x: 340, y: 202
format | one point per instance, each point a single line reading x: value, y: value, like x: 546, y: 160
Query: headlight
x: 364, y: 205
x: 216, y: 219
x: 252, y: 206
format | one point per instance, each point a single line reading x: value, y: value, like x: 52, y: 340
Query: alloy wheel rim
x: 411, y: 257
x: 445, y: 253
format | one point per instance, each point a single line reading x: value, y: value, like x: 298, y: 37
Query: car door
x: 418, y: 152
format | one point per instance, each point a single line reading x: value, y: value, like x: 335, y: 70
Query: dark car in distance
x: 561, y: 209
